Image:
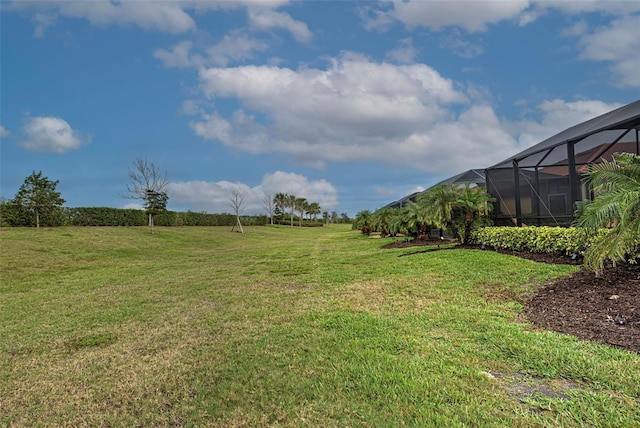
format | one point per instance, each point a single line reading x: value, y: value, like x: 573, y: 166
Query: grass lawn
x: 285, y: 326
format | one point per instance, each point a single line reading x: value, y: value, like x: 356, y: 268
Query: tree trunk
x: 238, y: 226
x: 37, y: 219
x: 151, y: 225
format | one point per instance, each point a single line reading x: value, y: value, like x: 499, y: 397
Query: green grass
x: 284, y: 326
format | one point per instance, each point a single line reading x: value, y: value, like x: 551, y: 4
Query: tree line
x: 286, y: 208
x: 447, y: 208
x: 37, y: 203
x: 615, y: 207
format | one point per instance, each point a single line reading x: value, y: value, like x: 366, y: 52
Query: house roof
x: 603, y: 129
x: 471, y: 176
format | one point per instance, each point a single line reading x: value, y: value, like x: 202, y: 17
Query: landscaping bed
x: 603, y: 309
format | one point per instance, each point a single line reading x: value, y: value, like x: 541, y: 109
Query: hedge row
x: 10, y: 215
x: 542, y: 239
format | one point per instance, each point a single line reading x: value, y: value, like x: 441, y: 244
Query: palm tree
x: 472, y: 207
x: 616, y: 205
x: 301, y: 206
x: 280, y: 202
x: 314, y: 209
x: 440, y: 203
x: 417, y: 219
x: 291, y: 203
x: 381, y: 220
x: 363, y: 222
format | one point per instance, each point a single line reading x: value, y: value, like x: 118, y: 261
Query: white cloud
x: 608, y: 7
x: 473, y: 16
x: 360, y: 111
x: 234, y: 47
x: 179, y: 56
x: 320, y: 191
x: 267, y: 19
x: 355, y: 110
x: 477, y: 15
x: 617, y: 44
x: 3, y: 132
x: 554, y: 116
x: 133, y: 206
x: 460, y: 46
x: 51, y: 134
x: 159, y: 16
x: 164, y: 16
x: 213, y: 197
x: 405, y: 53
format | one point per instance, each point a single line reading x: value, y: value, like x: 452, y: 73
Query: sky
x: 349, y: 104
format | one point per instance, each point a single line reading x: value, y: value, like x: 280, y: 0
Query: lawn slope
x: 285, y: 326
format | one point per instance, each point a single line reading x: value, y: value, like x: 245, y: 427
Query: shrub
x: 544, y: 239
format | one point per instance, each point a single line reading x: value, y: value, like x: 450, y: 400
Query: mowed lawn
x: 283, y: 326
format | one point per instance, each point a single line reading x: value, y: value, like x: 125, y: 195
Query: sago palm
x: 616, y: 205
x: 381, y: 220
x: 440, y: 202
x: 472, y: 206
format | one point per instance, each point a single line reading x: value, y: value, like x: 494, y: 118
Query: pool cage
x: 540, y: 185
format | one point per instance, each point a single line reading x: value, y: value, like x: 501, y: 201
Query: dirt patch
x: 603, y: 309
x: 527, y: 388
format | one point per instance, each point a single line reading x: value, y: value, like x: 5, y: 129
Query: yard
x: 285, y: 326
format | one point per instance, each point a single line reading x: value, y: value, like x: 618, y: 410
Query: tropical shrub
x: 543, y: 239
x: 616, y: 206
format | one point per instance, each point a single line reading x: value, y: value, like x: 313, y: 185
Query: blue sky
x: 348, y: 104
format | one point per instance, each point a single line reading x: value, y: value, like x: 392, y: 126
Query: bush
x: 11, y: 215
x: 544, y: 239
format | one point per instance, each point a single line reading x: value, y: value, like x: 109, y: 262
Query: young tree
x: 280, y: 200
x: 416, y: 219
x: 148, y: 184
x: 440, y: 203
x: 616, y: 205
x: 325, y: 217
x: 301, y: 206
x: 364, y: 221
x: 472, y: 208
x: 269, y: 205
x: 38, y: 196
x: 314, y: 209
x: 154, y: 203
x: 291, y: 203
x: 382, y: 221
x: 236, y: 201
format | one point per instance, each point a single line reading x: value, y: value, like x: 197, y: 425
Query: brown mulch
x: 603, y: 309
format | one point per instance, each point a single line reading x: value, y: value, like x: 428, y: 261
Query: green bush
x: 105, y: 216
x: 544, y: 239
x: 11, y: 215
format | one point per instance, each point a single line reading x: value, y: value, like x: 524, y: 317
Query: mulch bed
x: 603, y: 309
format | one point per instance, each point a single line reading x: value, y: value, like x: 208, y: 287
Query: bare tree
x: 236, y: 201
x: 148, y: 184
x: 269, y: 204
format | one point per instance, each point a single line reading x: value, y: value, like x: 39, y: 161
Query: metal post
x: 573, y: 176
x: 516, y: 181
x: 536, y: 201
